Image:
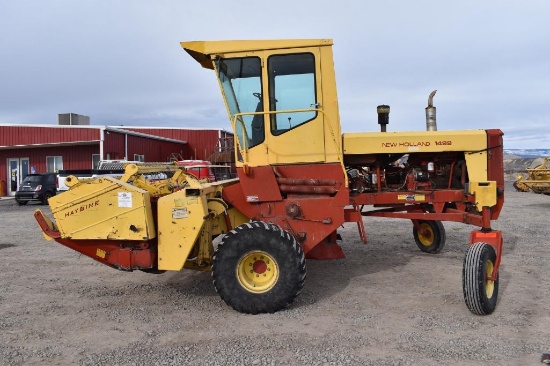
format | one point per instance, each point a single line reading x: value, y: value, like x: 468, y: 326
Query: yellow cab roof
x: 202, y: 51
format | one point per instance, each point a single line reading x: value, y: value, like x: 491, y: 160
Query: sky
x: 121, y: 63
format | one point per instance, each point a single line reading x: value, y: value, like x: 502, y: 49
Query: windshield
x: 241, y: 82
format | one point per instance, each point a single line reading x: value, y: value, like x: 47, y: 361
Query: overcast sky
x: 120, y: 62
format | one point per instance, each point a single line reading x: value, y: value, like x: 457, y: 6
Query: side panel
x: 472, y: 143
x: 333, y: 133
x: 413, y: 142
x: 476, y: 164
x: 181, y: 217
x: 495, y: 167
x: 104, y: 208
x: 259, y: 185
x: 301, y: 145
x: 311, y: 215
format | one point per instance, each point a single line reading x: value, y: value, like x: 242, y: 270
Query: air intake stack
x: 383, y: 116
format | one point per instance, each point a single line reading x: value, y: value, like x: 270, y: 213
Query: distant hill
x: 514, y: 164
x: 525, y: 153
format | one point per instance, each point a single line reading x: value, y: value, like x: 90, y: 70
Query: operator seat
x: 258, y: 131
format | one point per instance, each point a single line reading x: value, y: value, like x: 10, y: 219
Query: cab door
x: 296, y: 125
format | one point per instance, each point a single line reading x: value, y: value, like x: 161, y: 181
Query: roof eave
x: 205, y: 51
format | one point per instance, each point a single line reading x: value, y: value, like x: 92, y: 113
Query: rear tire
x: 431, y: 237
x: 480, y: 293
x: 258, y: 268
x: 47, y: 196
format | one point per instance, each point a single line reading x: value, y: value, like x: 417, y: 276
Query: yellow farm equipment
x: 299, y: 180
x: 538, y: 179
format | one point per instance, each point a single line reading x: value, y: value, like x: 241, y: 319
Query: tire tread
x: 225, y: 281
x: 473, y: 280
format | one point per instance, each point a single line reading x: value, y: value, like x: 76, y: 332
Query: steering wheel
x: 259, y: 96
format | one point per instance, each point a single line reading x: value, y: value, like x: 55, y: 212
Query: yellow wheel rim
x: 257, y: 271
x: 426, y: 235
x: 489, y: 284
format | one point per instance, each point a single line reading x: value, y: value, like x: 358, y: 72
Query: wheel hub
x: 257, y: 271
x: 489, y: 284
x: 259, y: 267
x: 426, y: 235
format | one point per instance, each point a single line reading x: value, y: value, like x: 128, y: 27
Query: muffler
x: 431, y: 124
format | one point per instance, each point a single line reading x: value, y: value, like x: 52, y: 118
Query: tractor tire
x: 258, y: 268
x: 480, y: 293
x: 431, y: 237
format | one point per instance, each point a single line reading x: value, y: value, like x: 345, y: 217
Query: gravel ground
x: 387, y: 303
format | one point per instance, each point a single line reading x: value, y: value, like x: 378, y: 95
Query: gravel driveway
x: 387, y: 303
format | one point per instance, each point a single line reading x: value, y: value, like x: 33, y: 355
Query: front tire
x: 258, y: 268
x: 480, y: 292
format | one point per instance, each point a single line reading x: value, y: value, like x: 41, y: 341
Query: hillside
x: 517, y: 160
x: 526, y: 153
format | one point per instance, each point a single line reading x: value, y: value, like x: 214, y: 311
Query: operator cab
x: 275, y: 96
x: 291, y: 81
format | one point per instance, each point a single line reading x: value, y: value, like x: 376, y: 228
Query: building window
x: 138, y: 157
x: 54, y: 163
x: 95, y: 161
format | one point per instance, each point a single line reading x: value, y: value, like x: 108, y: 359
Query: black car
x: 36, y: 187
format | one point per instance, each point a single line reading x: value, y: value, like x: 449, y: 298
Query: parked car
x: 36, y: 187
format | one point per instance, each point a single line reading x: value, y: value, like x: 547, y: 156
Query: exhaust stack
x: 431, y: 124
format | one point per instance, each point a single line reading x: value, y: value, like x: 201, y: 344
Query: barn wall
x: 74, y: 157
x: 200, y: 143
x: 113, y: 146
x: 18, y: 141
x: 33, y: 135
x: 153, y: 150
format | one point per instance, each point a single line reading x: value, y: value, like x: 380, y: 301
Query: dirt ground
x: 387, y: 303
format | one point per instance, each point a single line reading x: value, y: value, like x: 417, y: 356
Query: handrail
x: 244, y: 153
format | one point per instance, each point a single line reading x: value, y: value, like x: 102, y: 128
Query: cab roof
x: 204, y: 51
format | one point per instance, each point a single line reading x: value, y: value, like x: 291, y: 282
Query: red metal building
x: 201, y: 143
x: 26, y: 149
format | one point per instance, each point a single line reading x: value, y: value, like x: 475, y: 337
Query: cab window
x: 242, y: 86
x: 291, y: 87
